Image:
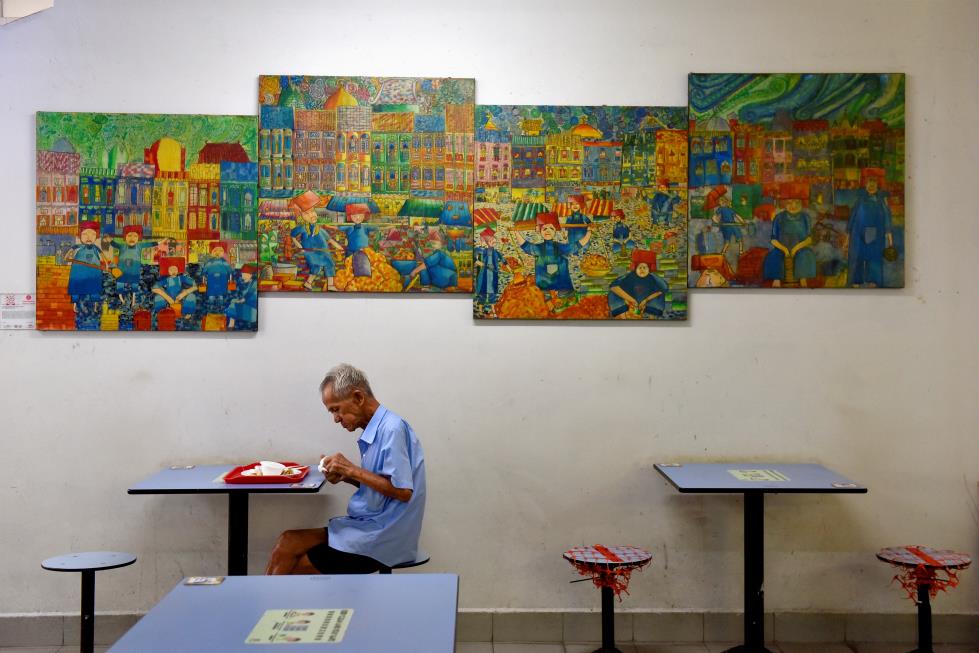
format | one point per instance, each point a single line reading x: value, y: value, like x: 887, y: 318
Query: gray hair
x: 346, y: 378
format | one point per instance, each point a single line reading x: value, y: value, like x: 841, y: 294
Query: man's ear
x: 358, y: 396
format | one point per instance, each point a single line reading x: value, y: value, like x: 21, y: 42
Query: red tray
x: 235, y: 475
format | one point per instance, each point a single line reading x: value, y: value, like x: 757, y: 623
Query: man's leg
x: 291, y: 548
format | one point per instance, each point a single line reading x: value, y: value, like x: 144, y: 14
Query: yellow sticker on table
x: 299, y: 626
x: 757, y: 475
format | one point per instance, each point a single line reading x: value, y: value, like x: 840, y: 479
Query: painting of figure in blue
x: 797, y: 180
x: 144, y: 222
x: 580, y: 213
x: 357, y: 174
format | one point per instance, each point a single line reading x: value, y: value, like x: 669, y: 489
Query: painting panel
x: 146, y: 222
x: 797, y: 180
x: 580, y: 213
x: 366, y: 184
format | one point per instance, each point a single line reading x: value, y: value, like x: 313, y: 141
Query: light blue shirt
x: 375, y: 525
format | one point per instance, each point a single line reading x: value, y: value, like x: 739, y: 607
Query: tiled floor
x: 499, y: 647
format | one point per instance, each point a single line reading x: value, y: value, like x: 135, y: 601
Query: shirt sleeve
x: 397, y: 461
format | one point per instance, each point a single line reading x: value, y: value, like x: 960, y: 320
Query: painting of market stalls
x: 366, y: 184
x: 146, y: 222
x: 797, y: 180
x: 580, y: 213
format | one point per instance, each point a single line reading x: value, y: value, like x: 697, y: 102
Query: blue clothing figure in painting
x: 358, y: 238
x: 662, y: 206
x: 85, y: 278
x: 727, y: 218
x: 551, y: 271
x: 384, y: 515
x: 622, y: 242
x: 791, y: 259
x: 217, y: 274
x: 243, y: 310
x: 435, y: 269
x: 707, y: 241
x: 487, y: 261
x: 313, y: 242
x: 870, y: 231
x: 577, y: 217
x: 130, y: 263
x: 640, y: 293
x: 174, y: 290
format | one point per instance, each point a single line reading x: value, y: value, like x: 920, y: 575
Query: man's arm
x: 337, y: 466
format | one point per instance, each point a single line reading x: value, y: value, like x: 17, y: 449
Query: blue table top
x: 89, y: 561
x: 756, y: 477
x: 202, y: 479
x: 408, y: 613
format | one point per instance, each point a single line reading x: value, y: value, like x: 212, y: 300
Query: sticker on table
x: 758, y: 475
x: 300, y: 626
x: 17, y: 310
x: 204, y: 580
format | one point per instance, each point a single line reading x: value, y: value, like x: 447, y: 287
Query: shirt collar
x: 367, y: 437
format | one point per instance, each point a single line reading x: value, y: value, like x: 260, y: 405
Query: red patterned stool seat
x: 923, y: 572
x: 609, y: 568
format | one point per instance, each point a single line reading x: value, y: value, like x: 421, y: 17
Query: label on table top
x: 301, y: 626
x: 757, y: 475
x: 204, y: 580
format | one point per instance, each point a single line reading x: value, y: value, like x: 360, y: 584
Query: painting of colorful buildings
x: 365, y: 184
x: 146, y: 222
x: 580, y: 213
x: 797, y: 180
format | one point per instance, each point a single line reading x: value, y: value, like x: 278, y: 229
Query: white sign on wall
x: 17, y: 310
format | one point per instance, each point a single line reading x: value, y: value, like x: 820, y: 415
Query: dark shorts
x: 331, y: 561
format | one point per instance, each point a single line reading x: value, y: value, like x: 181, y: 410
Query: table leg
x: 608, y: 623
x: 88, y: 611
x: 237, y: 533
x: 924, y: 620
x: 754, y: 575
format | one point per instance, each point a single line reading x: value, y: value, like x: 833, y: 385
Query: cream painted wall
x: 537, y: 436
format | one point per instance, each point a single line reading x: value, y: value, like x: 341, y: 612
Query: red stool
x: 609, y: 568
x: 924, y: 571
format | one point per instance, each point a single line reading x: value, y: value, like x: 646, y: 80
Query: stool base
x: 744, y: 648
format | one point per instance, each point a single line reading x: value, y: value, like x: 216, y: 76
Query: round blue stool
x: 88, y: 564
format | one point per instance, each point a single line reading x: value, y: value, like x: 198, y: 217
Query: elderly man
x: 384, y: 515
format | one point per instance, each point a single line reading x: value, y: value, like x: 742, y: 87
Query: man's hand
x: 337, y: 466
x: 331, y: 477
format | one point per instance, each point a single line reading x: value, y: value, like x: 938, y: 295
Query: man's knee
x: 298, y: 542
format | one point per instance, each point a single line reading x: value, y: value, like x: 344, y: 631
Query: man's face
x: 871, y: 185
x: 575, y: 207
x: 132, y: 238
x: 88, y: 236
x: 347, y: 412
x: 173, y: 270
x: 490, y: 241
x: 217, y: 252
x: 793, y: 205
x: 308, y: 216
x: 357, y: 218
x: 547, y: 231
x: 642, y: 270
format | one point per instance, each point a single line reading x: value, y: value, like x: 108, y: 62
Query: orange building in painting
x: 671, y: 157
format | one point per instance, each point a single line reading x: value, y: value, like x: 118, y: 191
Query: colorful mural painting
x: 797, y: 180
x: 580, y: 213
x: 366, y: 184
x: 146, y: 222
